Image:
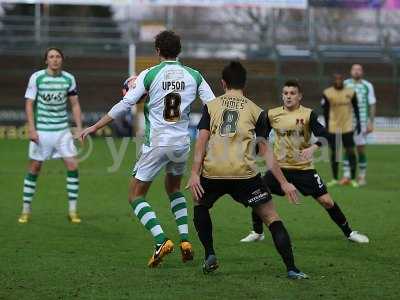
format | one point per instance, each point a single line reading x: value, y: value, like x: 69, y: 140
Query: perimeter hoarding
x: 299, y: 4
x: 375, y: 4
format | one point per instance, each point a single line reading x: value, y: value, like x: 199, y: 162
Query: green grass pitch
x: 105, y: 257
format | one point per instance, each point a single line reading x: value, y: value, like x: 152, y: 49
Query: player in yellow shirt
x: 339, y: 104
x: 224, y: 163
x: 293, y: 125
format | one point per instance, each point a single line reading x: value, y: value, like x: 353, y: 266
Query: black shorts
x: 307, y: 182
x: 249, y: 192
x: 347, y: 140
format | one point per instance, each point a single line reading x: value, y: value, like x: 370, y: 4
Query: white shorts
x: 153, y: 159
x: 361, y: 138
x: 53, y: 144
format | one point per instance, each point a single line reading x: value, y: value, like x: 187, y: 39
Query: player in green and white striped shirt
x: 366, y: 105
x: 171, y: 88
x: 46, y: 108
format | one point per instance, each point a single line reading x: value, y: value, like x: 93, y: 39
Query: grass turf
x: 105, y: 257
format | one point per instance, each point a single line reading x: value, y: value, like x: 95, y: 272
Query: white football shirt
x: 171, y: 88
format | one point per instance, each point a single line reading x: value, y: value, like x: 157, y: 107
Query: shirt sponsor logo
x: 174, y: 75
x: 290, y: 133
x: 53, y: 97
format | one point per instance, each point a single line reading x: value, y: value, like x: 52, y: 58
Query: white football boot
x: 357, y: 237
x: 253, y: 237
x: 361, y: 181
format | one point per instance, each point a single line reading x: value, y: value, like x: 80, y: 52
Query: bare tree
x: 252, y: 24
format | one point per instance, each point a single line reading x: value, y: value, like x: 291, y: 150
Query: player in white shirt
x: 171, y: 88
x: 366, y: 105
x: 47, y: 95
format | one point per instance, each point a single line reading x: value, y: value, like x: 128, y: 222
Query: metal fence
x: 310, y: 35
x: 308, y: 40
x: 82, y: 36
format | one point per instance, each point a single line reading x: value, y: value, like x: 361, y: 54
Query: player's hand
x: 33, y: 135
x: 370, y: 127
x: 86, y: 132
x: 307, y: 154
x: 132, y: 81
x: 76, y: 133
x: 195, y: 187
x: 291, y: 192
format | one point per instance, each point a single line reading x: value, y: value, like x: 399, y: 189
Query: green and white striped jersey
x: 171, y: 88
x: 365, y: 96
x: 50, y: 95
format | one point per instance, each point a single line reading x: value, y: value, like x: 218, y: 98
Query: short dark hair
x: 294, y: 83
x: 169, y: 44
x: 234, y: 75
x: 337, y: 74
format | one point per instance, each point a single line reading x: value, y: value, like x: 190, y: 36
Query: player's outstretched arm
x: 289, y: 189
x: 92, y: 129
x: 134, y: 94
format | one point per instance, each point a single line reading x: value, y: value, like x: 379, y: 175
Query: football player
x: 224, y: 163
x: 293, y: 125
x: 171, y: 88
x: 48, y: 92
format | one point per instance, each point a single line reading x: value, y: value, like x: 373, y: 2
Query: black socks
x: 338, y: 217
x: 257, y: 223
x: 202, y: 222
x: 283, y: 245
x: 353, y: 164
x: 334, y: 166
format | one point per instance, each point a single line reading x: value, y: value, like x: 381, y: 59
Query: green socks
x: 29, y: 191
x: 362, y: 163
x: 72, y: 189
x: 148, y: 218
x: 179, y: 209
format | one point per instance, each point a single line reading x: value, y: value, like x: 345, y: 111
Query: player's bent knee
x: 196, y: 202
x: 361, y: 149
x: 326, y: 201
x: 267, y: 213
x: 272, y: 219
x: 131, y: 194
x: 71, y: 163
x: 35, y: 166
x: 172, y: 183
x: 350, y: 151
x: 172, y: 190
x: 138, y: 188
